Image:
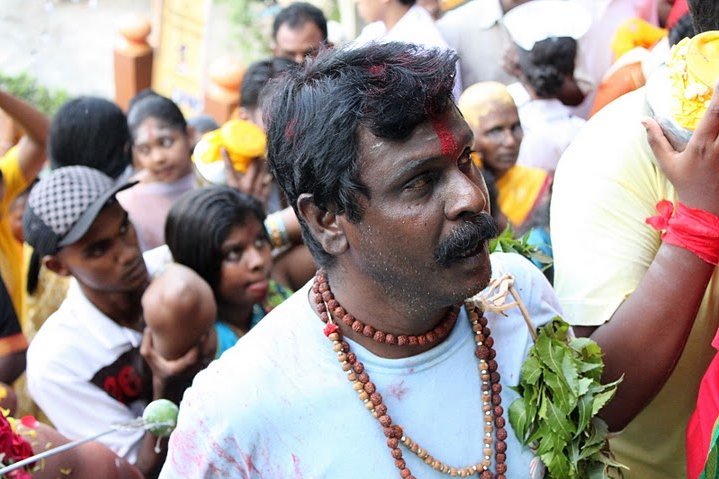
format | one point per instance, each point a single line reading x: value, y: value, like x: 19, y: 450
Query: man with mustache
x: 372, y: 369
x: 85, y: 366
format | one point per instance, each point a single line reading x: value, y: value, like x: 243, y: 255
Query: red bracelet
x: 689, y: 228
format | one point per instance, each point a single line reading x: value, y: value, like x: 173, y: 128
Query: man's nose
x: 466, y: 195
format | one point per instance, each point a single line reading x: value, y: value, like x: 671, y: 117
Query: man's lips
x: 136, y: 270
x: 478, y: 249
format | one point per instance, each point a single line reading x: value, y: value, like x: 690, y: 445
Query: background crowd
x: 154, y: 242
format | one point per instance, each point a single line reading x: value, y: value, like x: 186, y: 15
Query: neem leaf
x: 570, y: 373
x: 531, y: 371
x: 518, y: 418
x: 562, y: 395
x: 547, y: 354
x: 584, y: 407
x: 559, y: 422
x: 601, y: 399
x: 583, y: 385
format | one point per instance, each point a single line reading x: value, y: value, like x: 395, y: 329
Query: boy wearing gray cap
x: 86, y: 366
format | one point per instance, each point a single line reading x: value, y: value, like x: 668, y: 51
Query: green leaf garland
x: 560, y: 396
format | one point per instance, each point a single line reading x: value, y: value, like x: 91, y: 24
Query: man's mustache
x: 466, y: 238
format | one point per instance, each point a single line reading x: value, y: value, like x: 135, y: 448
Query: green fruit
x: 160, y: 416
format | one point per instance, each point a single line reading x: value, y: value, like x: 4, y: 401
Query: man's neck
x: 124, y: 309
x: 368, y: 302
x: 395, y: 11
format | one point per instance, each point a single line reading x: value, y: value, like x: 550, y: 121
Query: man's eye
x: 465, y: 160
x: 97, y: 250
x: 167, y: 142
x: 420, y: 182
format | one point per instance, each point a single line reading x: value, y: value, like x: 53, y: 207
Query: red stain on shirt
x: 296, y: 464
x: 398, y: 390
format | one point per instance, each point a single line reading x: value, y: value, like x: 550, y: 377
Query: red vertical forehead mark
x: 447, y: 141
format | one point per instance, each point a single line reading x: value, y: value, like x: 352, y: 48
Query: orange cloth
x: 625, y: 79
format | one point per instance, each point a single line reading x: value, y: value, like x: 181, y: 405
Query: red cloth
x: 679, y: 9
x: 701, y: 424
x: 690, y: 228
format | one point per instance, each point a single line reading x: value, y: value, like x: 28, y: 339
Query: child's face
x: 15, y: 212
x: 246, y: 264
x: 163, y: 151
x: 107, y: 259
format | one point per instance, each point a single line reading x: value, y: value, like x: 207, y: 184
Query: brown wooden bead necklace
x: 492, y: 410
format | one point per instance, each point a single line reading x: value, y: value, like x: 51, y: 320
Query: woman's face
x: 162, y: 151
x: 498, y: 137
x: 246, y: 264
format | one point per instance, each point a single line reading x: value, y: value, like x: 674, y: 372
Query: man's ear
x: 54, y: 264
x: 324, y: 225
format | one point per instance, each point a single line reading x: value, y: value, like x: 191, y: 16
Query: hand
x: 164, y: 369
x: 693, y: 172
x: 510, y: 62
x: 256, y: 181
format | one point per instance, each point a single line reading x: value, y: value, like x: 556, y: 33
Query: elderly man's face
x: 422, y: 192
x: 298, y: 43
x: 499, y: 137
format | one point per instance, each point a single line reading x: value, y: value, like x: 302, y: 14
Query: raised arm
x: 648, y: 331
x: 35, y: 125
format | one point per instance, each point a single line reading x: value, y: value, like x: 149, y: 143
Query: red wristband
x: 689, y: 228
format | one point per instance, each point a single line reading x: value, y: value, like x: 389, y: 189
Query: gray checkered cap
x: 62, y: 207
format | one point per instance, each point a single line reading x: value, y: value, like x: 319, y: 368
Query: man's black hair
x: 316, y: 112
x: 256, y: 77
x: 547, y: 64
x: 705, y: 15
x: 90, y: 131
x: 296, y: 15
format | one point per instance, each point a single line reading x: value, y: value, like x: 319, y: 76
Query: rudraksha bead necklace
x: 435, y: 335
x: 491, y: 400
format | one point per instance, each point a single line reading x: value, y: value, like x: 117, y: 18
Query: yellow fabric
x: 49, y: 294
x: 519, y: 190
x: 10, y: 248
x: 605, y: 186
x: 244, y: 141
x: 693, y: 71
x: 633, y: 33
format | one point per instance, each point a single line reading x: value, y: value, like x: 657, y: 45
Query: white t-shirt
x: 79, y: 343
x: 549, y: 127
x: 278, y: 405
x: 477, y: 34
x: 84, y: 371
